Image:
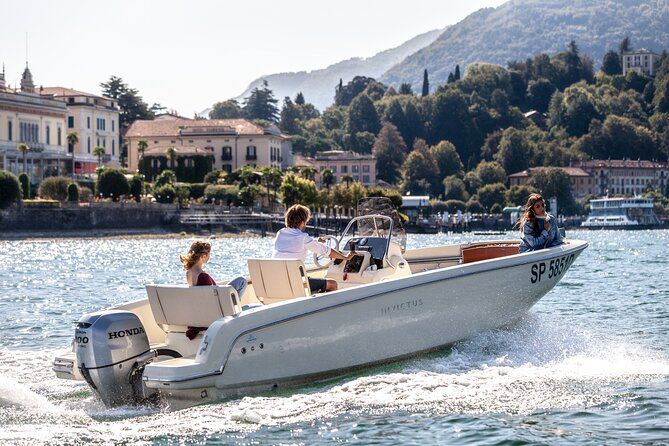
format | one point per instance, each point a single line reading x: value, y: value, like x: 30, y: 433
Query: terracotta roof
x: 571, y: 171
x: 181, y: 151
x: 621, y: 164
x: 173, y: 127
x: 62, y: 91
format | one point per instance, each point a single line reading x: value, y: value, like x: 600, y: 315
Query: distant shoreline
x: 140, y: 234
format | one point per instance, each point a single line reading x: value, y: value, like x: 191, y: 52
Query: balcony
x: 251, y: 157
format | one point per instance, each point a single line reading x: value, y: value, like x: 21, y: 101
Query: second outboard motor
x: 112, y: 348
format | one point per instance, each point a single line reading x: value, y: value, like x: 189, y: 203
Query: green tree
x: 132, y: 106
x: 426, y: 84
x: 345, y: 94
x: 112, y: 183
x: 348, y: 179
x: 249, y: 195
x: 405, y: 89
x: 224, y: 194
x: 99, y: 152
x: 539, y: 94
x: 72, y: 140
x: 290, y: 117
x: 515, y: 151
x: 54, y: 188
x: 420, y: 172
x: 362, y: 116
x: 137, y: 187
x: 491, y: 172
x: 328, y: 178
x: 10, y: 190
x: 229, y: 109
x: 625, y: 46
x: 472, y: 182
x: 457, y: 73
x: 165, y: 194
x: 554, y: 182
x: 390, y: 152
x: 475, y: 207
x: 261, y: 104
x: 492, y: 194
x: 298, y: 190
x: 450, y: 120
x: 574, y: 109
x: 73, y: 193
x: 308, y: 173
x: 447, y: 158
x: 518, y: 195
x: 167, y: 176
x: 171, y: 154
x: 24, y: 149
x: 611, y: 64
x: 24, y: 180
x: 455, y: 189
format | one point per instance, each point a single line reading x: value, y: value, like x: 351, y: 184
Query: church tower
x: 27, y: 85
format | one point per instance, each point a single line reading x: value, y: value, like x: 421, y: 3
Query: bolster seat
x: 276, y: 280
x: 191, y: 306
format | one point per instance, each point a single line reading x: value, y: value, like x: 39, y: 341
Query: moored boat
x: 621, y: 213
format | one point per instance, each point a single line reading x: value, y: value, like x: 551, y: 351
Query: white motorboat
x: 391, y: 304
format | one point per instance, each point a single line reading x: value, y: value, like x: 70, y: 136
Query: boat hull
x: 315, y: 338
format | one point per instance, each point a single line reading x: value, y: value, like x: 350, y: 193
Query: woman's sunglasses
x: 541, y: 204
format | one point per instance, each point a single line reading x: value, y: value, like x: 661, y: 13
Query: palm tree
x: 348, y: 179
x: 171, y: 154
x: 99, y: 152
x: 308, y: 173
x: 141, y: 147
x: 23, y: 148
x: 72, y: 140
x: 328, y: 178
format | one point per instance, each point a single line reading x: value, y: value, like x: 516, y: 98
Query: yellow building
x: 95, y: 120
x: 360, y: 167
x: 232, y: 143
x: 39, y: 122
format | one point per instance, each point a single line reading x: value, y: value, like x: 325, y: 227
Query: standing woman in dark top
x: 539, y: 229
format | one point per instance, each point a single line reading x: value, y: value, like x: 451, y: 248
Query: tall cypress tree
x: 457, y: 73
x: 451, y: 78
x: 426, y: 84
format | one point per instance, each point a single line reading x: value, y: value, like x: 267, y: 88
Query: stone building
x: 626, y: 177
x: 642, y: 61
x: 582, y: 182
x: 95, y: 120
x: 38, y: 121
x: 232, y: 143
x: 362, y: 168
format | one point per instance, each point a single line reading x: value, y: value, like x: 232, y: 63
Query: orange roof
x: 173, y: 127
x: 62, y: 91
x: 571, y: 171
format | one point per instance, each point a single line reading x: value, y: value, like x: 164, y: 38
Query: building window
x: 344, y: 169
x: 113, y: 146
x: 9, y: 130
x: 251, y: 153
x: 333, y: 169
x: 113, y: 125
x: 365, y: 168
x: 227, y: 168
x: 28, y: 132
x: 104, y: 142
x: 88, y: 144
x: 70, y: 122
x: 48, y: 134
x: 355, y: 168
x: 88, y: 122
x: 365, y: 179
x: 60, y: 134
x: 226, y: 153
x: 101, y: 124
x: 356, y: 178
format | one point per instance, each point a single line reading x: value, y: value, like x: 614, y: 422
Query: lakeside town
x: 464, y: 155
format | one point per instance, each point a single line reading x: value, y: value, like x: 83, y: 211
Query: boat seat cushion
x: 487, y: 252
x: 275, y: 280
x: 192, y: 306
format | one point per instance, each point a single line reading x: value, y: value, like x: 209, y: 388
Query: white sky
x: 187, y: 55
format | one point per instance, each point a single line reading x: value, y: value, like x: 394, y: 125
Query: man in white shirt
x: 293, y: 243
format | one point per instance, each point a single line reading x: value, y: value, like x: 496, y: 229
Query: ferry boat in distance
x: 622, y: 213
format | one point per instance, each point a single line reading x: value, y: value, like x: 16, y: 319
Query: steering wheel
x: 319, y: 259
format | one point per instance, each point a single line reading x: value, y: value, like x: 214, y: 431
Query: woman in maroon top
x: 198, y: 255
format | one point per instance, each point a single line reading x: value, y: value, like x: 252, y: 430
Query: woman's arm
x: 535, y: 242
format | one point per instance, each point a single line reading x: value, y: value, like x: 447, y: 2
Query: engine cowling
x: 111, y: 349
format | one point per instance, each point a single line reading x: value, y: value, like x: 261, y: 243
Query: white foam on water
x: 533, y: 366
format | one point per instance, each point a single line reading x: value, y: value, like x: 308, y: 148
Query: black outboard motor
x: 112, y: 349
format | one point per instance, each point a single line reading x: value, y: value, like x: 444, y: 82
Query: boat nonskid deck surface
x: 440, y: 295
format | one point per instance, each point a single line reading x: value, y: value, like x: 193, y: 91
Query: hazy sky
x: 188, y: 54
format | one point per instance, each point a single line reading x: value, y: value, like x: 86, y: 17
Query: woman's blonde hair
x: 529, y: 215
x: 197, y: 250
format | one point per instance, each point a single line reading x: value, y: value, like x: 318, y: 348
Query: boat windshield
x: 384, y: 227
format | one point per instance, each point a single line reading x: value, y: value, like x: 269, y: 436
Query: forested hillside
x: 520, y: 29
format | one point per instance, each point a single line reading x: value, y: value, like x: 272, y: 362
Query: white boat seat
x: 192, y: 306
x: 275, y: 280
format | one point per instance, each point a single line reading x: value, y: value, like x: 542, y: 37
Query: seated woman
x: 538, y: 227
x: 198, y: 255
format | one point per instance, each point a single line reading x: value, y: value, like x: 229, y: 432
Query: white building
x: 642, y: 61
x: 95, y: 120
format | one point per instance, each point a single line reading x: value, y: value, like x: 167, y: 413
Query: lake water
x: 588, y: 365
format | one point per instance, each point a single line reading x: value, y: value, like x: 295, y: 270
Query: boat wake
x: 530, y: 367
